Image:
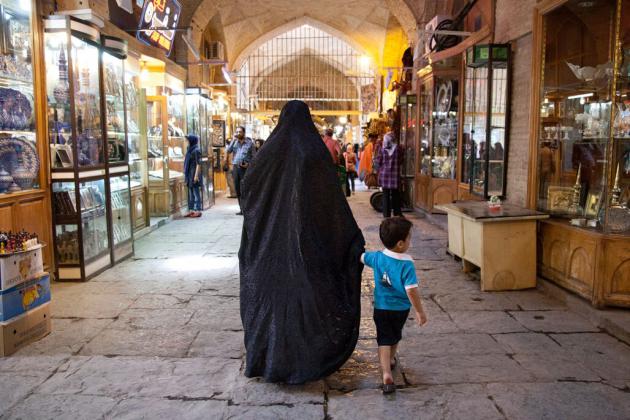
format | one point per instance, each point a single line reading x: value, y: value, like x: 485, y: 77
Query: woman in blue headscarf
x: 193, y: 176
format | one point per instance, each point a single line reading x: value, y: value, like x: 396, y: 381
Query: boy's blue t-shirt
x: 394, y: 273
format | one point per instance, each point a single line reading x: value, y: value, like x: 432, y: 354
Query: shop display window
x: 121, y: 215
x: 19, y: 157
x: 155, y: 151
x: 426, y: 98
x: 444, y: 131
x: 73, y: 92
x: 86, y: 207
x: 177, y: 144
x: 486, y: 111
x: 114, y: 91
x: 584, y: 132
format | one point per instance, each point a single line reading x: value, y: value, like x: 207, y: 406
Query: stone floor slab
x: 528, y: 343
x: 125, y: 377
x: 489, y: 322
x: 90, y: 305
x: 458, y: 369
x: 156, y: 408
x: 554, y: 321
x: 253, y: 391
x: 56, y: 407
x: 576, y: 401
x: 132, y: 319
x: 141, y: 342
x: 68, y: 336
x: 222, y: 344
x: 603, y: 354
x: 475, y: 302
x: 437, y: 402
x: 447, y: 344
x: 276, y: 412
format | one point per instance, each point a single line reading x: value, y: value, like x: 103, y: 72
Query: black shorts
x: 389, y: 326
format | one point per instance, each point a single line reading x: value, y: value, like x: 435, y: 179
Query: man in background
x: 242, y: 150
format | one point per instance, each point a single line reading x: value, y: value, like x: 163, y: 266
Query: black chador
x: 299, y: 258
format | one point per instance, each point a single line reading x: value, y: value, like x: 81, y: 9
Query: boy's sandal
x: 389, y: 388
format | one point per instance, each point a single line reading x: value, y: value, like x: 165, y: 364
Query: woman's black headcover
x: 299, y: 257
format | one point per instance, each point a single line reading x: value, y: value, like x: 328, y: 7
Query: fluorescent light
x: 226, y: 75
x: 585, y: 95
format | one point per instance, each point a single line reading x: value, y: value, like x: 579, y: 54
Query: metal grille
x: 304, y: 63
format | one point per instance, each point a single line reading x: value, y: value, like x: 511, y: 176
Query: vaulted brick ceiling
x: 245, y: 22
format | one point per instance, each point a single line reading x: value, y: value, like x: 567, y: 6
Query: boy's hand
x: 421, y: 318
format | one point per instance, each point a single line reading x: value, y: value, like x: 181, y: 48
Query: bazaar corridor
x: 160, y: 336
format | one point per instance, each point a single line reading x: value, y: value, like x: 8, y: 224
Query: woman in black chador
x: 299, y: 257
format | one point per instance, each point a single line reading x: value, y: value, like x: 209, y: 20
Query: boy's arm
x: 416, y: 301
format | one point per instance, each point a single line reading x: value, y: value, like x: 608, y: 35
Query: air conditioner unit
x: 215, y: 51
x: 430, y: 27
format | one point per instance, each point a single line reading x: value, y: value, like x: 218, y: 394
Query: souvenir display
x: 115, y: 108
x: 120, y: 203
x: 67, y: 244
x: 19, y: 159
x: 11, y: 242
x: 16, y: 110
x: 19, y: 164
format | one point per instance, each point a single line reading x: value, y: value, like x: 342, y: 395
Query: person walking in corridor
x: 193, y: 176
x: 395, y: 292
x: 351, y: 168
x: 242, y: 150
x: 332, y: 145
x: 299, y: 259
x: 388, y: 164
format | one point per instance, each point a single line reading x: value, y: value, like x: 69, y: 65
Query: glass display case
x: 81, y: 228
x: 136, y: 114
x: 438, y: 89
x: 581, y: 137
x: 177, y: 146
x: 74, y: 102
x: 19, y: 156
x: 444, y: 128
x: 424, y: 152
x: 158, y: 170
x: 199, y: 122
x: 114, y: 95
x: 486, y: 110
x: 408, y: 108
x: 120, y: 202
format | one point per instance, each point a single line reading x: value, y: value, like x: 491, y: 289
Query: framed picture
x: 218, y: 133
x: 592, y: 204
x: 63, y: 155
x: 559, y: 199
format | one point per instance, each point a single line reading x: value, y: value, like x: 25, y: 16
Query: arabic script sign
x: 162, y: 15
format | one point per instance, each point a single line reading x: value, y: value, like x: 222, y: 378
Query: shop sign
x: 480, y: 54
x: 163, y: 14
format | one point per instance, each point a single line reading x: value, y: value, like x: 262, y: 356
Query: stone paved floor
x: 159, y: 336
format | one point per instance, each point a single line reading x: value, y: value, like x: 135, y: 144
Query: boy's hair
x: 394, y: 229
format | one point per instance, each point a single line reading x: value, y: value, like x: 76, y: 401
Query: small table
x: 502, y: 243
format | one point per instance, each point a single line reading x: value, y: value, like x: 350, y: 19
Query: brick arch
x: 207, y: 9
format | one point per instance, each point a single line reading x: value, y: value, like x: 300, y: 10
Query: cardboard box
x: 23, y: 297
x: 24, y: 329
x: 20, y: 267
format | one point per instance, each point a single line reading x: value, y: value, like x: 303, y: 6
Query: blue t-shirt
x: 394, y: 273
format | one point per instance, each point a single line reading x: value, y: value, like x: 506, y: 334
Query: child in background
x: 395, y: 292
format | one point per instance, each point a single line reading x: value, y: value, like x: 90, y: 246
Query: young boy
x: 395, y: 291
